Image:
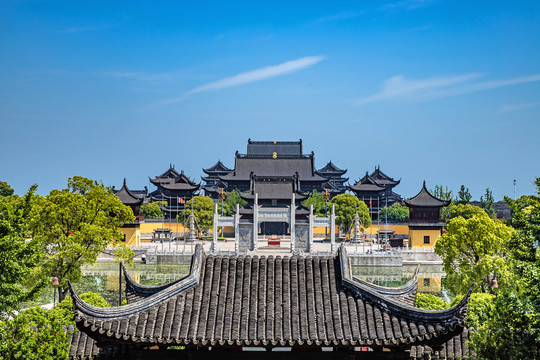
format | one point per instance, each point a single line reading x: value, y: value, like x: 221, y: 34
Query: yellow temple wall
x: 429, y: 284
x: 416, y: 237
x: 132, y: 235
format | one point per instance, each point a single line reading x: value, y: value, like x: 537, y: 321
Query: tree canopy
x: 464, y: 196
x: 5, y: 189
x: 488, y: 203
x: 395, y: 212
x: 346, y: 207
x: 317, y: 200
x: 203, y: 209
x: 232, y: 199
x: 75, y: 224
x: 152, y: 210
x: 474, y: 250
x: 20, y: 257
x: 466, y: 211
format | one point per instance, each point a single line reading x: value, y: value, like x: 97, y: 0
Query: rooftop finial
x: 124, y: 181
x: 424, y: 183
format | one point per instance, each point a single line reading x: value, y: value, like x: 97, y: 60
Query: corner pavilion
x: 237, y: 303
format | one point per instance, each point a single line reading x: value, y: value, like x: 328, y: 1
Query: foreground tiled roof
x: 269, y: 301
x: 453, y: 349
x: 405, y: 293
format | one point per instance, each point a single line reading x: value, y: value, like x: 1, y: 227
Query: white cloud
x: 399, y: 88
x: 250, y: 77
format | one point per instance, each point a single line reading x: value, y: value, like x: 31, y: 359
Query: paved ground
x: 319, y: 246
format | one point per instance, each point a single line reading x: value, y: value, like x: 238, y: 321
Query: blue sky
x: 446, y: 91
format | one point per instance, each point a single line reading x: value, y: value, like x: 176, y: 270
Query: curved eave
x: 83, y: 309
x: 408, y: 288
x: 416, y: 204
x: 127, y: 197
x: 143, y: 291
x: 455, y: 315
x: 186, y: 187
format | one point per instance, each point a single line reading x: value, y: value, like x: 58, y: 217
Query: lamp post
x: 222, y: 196
x: 326, y: 197
x: 55, y: 284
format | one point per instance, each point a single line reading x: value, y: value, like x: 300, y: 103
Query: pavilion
x: 307, y: 305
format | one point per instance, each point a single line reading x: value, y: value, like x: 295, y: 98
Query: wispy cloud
x: 516, y: 107
x: 249, y: 77
x: 400, y: 88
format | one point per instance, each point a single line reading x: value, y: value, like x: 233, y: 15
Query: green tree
x: 395, y: 212
x: 430, y: 302
x: 481, y: 307
x: 232, y: 199
x: 513, y: 329
x: 474, y: 250
x: 487, y: 203
x: 203, y: 209
x: 75, y: 224
x: 346, y: 207
x: 20, y: 257
x: 317, y: 200
x: 464, y: 196
x: 152, y: 210
x: 37, y: 333
x: 466, y: 211
x: 5, y: 189
x: 34, y: 334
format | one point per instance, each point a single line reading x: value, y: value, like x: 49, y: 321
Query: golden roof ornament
x: 274, y: 155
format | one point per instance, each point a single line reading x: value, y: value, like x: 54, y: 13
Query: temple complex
x: 426, y: 224
x: 376, y: 190
x: 236, y: 303
x: 274, y: 158
x: 174, y: 188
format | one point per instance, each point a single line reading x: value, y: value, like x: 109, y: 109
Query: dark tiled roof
x: 274, y: 187
x: 169, y: 173
x: 268, y: 166
x: 83, y: 347
x: 217, y: 168
x: 455, y: 348
x: 330, y: 168
x: 383, y: 179
x: 279, y: 147
x: 127, y: 197
x: 267, y: 301
x: 425, y: 199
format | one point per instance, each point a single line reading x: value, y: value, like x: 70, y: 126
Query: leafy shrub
x: 430, y: 302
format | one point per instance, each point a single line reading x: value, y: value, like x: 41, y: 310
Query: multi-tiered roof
x: 273, y: 158
x: 336, y: 181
